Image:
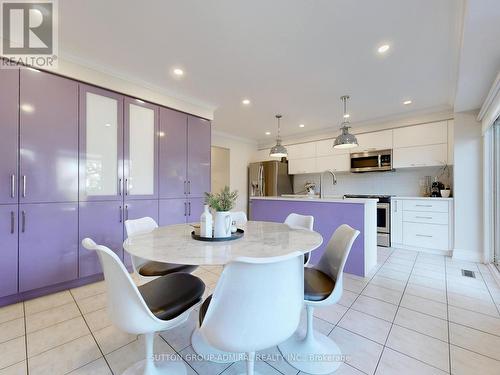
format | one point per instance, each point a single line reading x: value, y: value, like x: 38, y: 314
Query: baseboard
x: 446, y: 253
x: 468, y: 255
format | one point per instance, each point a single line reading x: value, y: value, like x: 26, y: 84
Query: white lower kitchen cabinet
x: 420, y: 156
x: 423, y: 224
x: 301, y: 166
x: 335, y: 163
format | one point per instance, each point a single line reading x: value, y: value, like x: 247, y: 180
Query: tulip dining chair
x: 144, y: 268
x: 312, y: 352
x: 161, y: 304
x: 302, y: 222
x: 239, y: 217
x: 256, y: 305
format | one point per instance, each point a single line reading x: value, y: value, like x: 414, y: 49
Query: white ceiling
x: 295, y: 57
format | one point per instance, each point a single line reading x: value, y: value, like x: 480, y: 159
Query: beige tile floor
x: 415, y: 314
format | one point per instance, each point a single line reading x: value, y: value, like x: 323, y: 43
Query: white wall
x: 468, y: 187
x: 240, y: 154
x: 405, y: 182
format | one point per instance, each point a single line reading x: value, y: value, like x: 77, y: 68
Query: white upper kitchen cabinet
x: 421, y: 135
x: 381, y: 140
x: 301, y: 150
x: 420, y: 156
x: 325, y: 148
x: 301, y: 166
x: 451, y: 129
x: 334, y: 163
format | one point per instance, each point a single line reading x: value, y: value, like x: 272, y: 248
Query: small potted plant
x: 222, y: 203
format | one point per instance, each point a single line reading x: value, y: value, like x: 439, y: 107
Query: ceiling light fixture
x: 245, y: 101
x: 383, y: 48
x: 268, y: 133
x: 178, y: 72
x: 301, y: 125
x: 278, y: 150
x: 347, y: 115
x: 406, y: 102
x: 345, y: 140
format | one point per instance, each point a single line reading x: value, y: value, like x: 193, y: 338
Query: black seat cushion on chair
x: 162, y: 269
x: 169, y: 296
x: 317, y: 285
x: 204, y: 308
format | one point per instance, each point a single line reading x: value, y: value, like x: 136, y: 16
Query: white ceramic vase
x: 222, y: 224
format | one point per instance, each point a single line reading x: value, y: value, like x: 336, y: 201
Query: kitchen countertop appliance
x: 383, y: 217
x: 268, y: 179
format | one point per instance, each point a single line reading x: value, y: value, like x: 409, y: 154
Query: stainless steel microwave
x: 371, y: 161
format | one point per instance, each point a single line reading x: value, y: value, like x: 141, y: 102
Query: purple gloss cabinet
x: 173, y: 211
x: 48, y: 250
x: 173, y: 154
x: 8, y: 246
x: 199, y: 143
x: 48, y: 138
x: 9, y: 110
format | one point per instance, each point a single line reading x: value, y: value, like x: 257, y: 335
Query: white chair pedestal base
x: 159, y: 367
x: 209, y: 353
x: 317, y: 354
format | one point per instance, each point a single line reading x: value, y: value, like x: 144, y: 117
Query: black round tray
x: 234, y: 236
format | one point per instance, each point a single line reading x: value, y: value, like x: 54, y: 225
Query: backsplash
x: 404, y: 182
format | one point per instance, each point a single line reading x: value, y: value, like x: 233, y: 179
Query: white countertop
x: 327, y: 199
x: 424, y: 198
x: 173, y: 244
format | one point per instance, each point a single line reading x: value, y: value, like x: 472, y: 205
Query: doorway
x: 220, y: 168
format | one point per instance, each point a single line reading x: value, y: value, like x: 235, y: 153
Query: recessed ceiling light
x: 406, y: 102
x: 108, y: 125
x: 301, y: 125
x: 28, y: 108
x: 245, y: 101
x: 268, y: 133
x: 178, y: 72
x: 383, y: 48
x: 347, y: 115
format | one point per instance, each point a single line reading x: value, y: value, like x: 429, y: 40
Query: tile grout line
x: 93, y: 337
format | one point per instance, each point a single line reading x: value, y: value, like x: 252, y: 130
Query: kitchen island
x: 329, y: 214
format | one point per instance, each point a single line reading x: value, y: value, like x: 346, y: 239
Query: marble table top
x: 173, y: 244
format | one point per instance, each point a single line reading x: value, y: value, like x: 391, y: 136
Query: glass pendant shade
x: 278, y: 150
x: 345, y: 139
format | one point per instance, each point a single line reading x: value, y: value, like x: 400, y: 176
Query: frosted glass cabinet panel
x: 101, y: 147
x: 141, y: 126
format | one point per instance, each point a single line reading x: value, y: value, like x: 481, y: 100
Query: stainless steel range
x: 383, y: 217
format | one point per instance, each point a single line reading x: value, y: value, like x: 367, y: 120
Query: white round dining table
x: 174, y: 244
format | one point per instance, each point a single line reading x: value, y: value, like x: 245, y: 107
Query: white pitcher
x: 222, y: 224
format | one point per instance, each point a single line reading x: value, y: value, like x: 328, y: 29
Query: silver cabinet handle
x: 121, y: 214
x: 12, y: 222
x: 423, y: 205
x: 185, y: 208
x: 23, y: 221
x: 126, y: 212
x: 24, y: 186
x: 12, y: 185
x: 395, y: 206
x: 423, y: 235
x: 126, y: 187
x: 423, y: 217
x: 185, y: 187
x: 189, y: 207
x: 189, y: 187
x: 120, y: 186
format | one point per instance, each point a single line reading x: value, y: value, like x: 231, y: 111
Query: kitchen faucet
x: 334, y: 181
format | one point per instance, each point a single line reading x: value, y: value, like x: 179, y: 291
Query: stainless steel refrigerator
x: 268, y: 179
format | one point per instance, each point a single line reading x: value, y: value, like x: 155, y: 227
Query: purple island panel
x: 328, y: 216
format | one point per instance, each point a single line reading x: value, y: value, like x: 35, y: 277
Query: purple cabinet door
x: 199, y: 143
x: 48, y: 138
x: 195, y: 209
x: 101, y: 145
x: 8, y: 247
x: 103, y: 222
x: 48, y: 244
x: 173, y: 154
x: 135, y: 210
x: 140, y: 146
x: 9, y: 125
x: 173, y: 211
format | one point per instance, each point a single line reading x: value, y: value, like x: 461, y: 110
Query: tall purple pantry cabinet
x: 48, y: 175
x: 9, y: 109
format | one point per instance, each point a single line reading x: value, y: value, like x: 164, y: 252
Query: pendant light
x: 345, y: 140
x: 278, y: 150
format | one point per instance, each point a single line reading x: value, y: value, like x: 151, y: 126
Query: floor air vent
x: 468, y: 273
